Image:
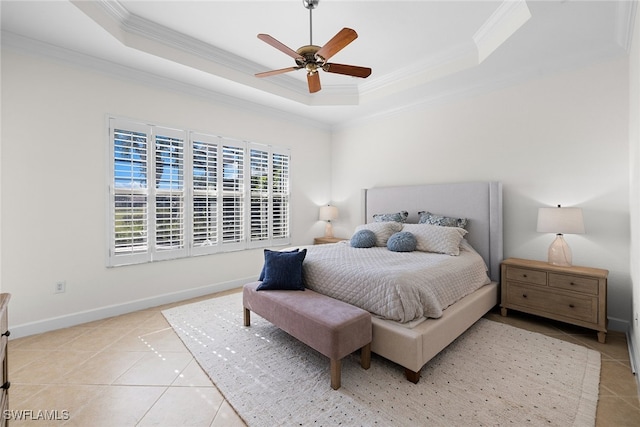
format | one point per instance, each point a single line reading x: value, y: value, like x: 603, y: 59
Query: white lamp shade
x: 560, y: 220
x: 328, y: 213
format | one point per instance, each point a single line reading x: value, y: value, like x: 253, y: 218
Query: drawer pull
x: 7, y: 333
x: 524, y: 295
x: 524, y: 275
x: 6, y: 385
x: 571, y: 306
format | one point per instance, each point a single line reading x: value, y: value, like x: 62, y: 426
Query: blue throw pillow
x: 402, y: 241
x: 261, y: 278
x: 363, y: 239
x: 283, y: 271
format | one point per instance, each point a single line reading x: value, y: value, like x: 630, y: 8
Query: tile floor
x: 133, y: 370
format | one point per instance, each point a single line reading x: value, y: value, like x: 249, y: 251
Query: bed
x: 413, y: 345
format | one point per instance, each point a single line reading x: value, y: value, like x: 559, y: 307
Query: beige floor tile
x: 50, y: 369
x: 184, y: 406
x: 95, y: 340
x: 192, y: 375
x: 60, y: 397
x: 50, y: 340
x: 117, y: 406
x: 155, y: 369
x: 19, y: 358
x: 155, y: 380
x: 227, y: 417
x: 612, y: 413
x: 616, y: 377
x: 103, y: 368
x: 127, y: 321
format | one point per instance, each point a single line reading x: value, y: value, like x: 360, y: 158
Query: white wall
x: 556, y: 140
x: 634, y: 160
x: 54, y: 202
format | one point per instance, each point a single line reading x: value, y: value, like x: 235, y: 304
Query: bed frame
x: 481, y: 203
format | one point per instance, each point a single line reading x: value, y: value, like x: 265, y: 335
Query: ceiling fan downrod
x: 310, y: 4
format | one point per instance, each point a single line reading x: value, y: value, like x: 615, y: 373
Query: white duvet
x: 400, y: 286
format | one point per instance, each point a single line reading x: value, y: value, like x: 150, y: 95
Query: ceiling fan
x: 313, y: 58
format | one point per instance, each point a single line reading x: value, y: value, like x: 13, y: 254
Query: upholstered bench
x: 331, y: 327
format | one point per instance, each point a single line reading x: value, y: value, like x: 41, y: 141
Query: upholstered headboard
x: 480, y: 202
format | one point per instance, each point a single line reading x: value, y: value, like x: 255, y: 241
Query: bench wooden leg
x: 412, y: 376
x: 335, y: 373
x: 247, y: 317
x: 365, y: 356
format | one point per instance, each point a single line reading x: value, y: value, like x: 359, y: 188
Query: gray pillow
x: 441, y: 220
x: 402, y: 242
x: 395, y: 217
x: 363, y: 239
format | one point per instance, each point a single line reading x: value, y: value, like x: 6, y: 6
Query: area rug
x: 492, y: 375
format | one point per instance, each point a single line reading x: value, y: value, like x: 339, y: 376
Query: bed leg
x: 247, y: 317
x: 412, y: 376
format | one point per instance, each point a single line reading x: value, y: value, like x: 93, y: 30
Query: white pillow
x: 382, y: 230
x: 435, y: 238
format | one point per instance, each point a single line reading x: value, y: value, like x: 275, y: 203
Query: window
x: 175, y: 193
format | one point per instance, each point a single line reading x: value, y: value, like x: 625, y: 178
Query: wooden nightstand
x: 325, y: 240
x: 576, y: 295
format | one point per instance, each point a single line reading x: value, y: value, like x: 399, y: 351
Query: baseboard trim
x: 615, y: 324
x: 74, y: 319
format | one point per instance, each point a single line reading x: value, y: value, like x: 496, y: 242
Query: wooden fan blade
x: 281, y: 47
x: 349, y: 70
x: 274, y: 72
x: 313, y: 79
x: 337, y: 43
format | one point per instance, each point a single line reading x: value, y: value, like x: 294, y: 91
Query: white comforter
x: 400, y: 286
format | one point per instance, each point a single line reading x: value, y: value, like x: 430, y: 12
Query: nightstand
x: 325, y: 240
x: 576, y: 295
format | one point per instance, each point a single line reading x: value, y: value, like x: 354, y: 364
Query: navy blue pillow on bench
x: 282, y: 271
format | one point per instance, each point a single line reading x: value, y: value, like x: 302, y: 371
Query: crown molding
x: 69, y: 57
x: 502, y: 24
x: 625, y: 17
x: 138, y: 33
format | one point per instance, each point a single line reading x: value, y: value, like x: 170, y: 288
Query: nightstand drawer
x: 572, y: 306
x: 574, y: 283
x: 526, y: 275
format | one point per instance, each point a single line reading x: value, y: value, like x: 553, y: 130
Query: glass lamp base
x: 328, y: 230
x: 559, y: 252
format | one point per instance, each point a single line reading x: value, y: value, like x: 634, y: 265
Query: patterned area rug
x: 494, y: 374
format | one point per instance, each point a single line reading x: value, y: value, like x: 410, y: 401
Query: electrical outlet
x: 60, y: 287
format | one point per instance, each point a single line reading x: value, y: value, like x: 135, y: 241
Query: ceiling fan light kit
x: 312, y: 58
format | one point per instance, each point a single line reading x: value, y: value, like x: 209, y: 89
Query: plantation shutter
x: 233, y: 195
x: 129, y: 193
x: 206, y: 177
x: 270, y: 192
x: 260, y: 184
x: 281, y: 202
x: 173, y: 197
x: 169, y: 193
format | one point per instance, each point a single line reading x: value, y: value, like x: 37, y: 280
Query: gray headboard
x: 480, y: 202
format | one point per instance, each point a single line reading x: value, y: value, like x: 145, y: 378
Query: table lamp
x: 560, y: 221
x: 328, y: 213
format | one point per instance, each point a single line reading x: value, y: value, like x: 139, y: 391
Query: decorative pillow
x: 382, y: 230
x: 261, y: 278
x: 402, y: 242
x: 283, y: 270
x: 444, y: 221
x: 363, y: 239
x: 434, y: 238
x: 396, y: 217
